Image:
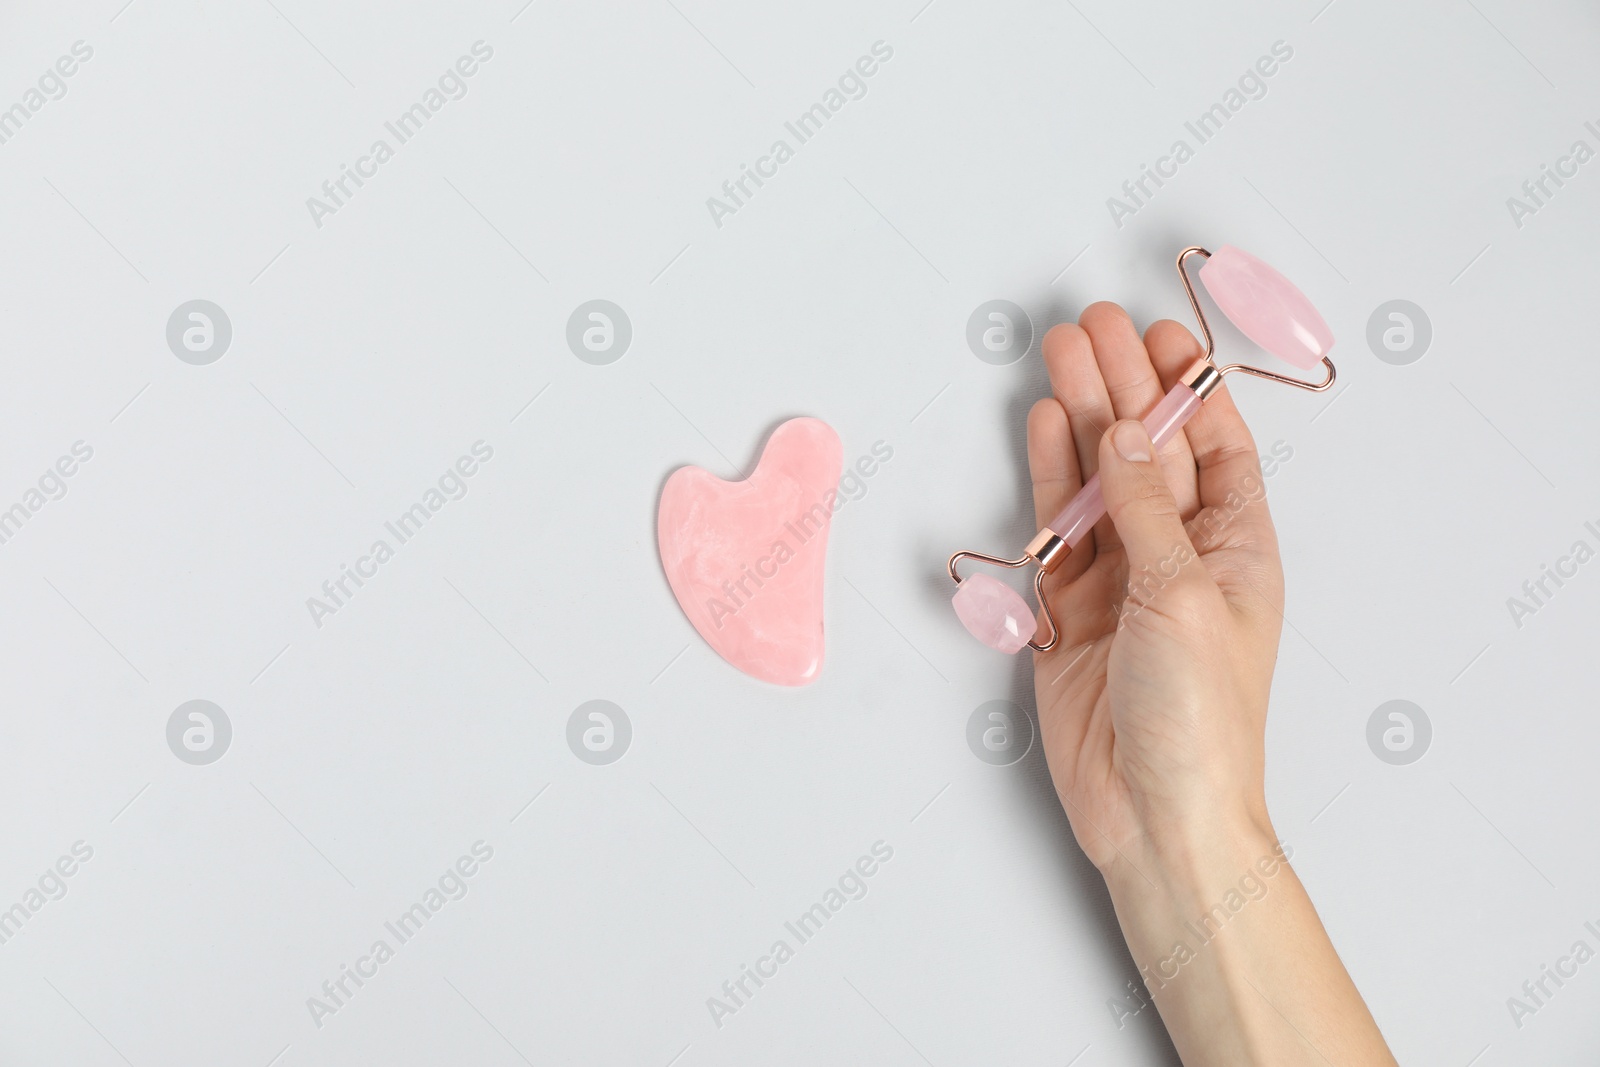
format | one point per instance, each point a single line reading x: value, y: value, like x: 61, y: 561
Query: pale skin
x: 1153, y: 705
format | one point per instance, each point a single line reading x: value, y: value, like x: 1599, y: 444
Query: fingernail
x: 1131, y: 441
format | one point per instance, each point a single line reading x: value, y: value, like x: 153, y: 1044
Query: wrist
x: 1175, y: 896
x: 1191, y: 861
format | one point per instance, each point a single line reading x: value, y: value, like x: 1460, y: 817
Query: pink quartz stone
x: 745, y: 559
x: 994, y: 613
x: 1266, y: 307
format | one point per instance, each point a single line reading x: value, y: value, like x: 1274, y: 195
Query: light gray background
x: 367, y: 355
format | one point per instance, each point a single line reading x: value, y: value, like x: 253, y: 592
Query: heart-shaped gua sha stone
x: 745, y: 559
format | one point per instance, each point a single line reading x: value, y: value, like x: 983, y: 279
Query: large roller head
x: 1266, y: 307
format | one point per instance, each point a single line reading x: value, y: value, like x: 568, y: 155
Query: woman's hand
x: 1153, y: 705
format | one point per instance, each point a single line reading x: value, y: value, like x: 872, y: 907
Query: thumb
x: 1141, y: 506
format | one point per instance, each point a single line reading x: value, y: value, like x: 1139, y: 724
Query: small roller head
x: 994, y: 613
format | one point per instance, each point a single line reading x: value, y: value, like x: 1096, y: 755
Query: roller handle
x: 1089, y: 505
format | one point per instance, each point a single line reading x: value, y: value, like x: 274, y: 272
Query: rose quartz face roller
x: 1268, y: 309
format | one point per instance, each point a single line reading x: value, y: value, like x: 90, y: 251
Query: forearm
x: 1229, y: 945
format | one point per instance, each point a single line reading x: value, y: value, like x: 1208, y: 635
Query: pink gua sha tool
x: 1268, y: 309
x: 745, y: 559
